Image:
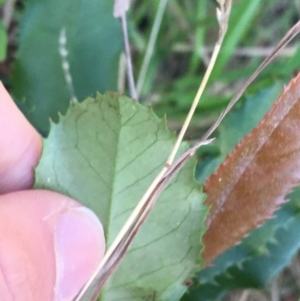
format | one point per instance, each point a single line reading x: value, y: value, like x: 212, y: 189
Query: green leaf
x: 105, y: 152
x: 93, y: 41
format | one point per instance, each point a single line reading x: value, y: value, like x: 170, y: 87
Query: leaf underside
x: 105, y: 152
x: 265, y: 251
x: 254, y: 179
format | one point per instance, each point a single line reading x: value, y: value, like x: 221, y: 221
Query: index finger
x: 20, y: 146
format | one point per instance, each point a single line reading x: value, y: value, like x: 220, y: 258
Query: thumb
x: 49, y: 246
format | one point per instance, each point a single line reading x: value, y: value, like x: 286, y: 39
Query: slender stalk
x: 151, y: 44
x: 129, y: 69
x: 8, y: 9
x: 122, y: 74
x: 282, y: 43
x: 223, y: 13
x: 195, y: 103
x: 141, y: 211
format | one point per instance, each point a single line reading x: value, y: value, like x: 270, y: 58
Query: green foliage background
x: 32, y: 70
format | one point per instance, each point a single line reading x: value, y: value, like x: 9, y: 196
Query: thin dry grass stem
x: 223, y: 13
x: 285, y: 40
x: 8, y: 9
x: 120, y: 245
x: 129, y: 69
x: 122, y: 74
x: 282, y: 43
x: 120, y: 9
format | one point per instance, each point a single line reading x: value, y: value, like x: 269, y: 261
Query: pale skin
x: 49, y: 243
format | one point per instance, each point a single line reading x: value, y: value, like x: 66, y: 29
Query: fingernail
x: 79, y: 247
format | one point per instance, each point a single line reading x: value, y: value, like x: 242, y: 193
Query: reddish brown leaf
x: 254, y: 179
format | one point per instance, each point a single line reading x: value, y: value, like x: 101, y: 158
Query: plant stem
x: 195, y: 103
x: 223, y: 15
x: 150, y: 46
x: 130, y: 76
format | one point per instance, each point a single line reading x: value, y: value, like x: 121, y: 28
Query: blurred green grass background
x: 187, y: 34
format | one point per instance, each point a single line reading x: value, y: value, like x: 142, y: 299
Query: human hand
x: 49, y: 243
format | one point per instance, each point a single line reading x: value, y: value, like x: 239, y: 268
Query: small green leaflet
x: 105, y: 152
